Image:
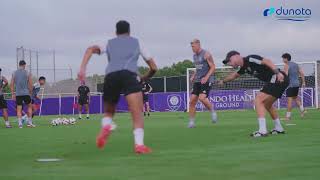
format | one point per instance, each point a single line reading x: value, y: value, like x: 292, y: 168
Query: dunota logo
x: 288, y: 14
x: 174, y: 102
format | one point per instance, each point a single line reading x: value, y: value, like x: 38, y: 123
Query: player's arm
x: 12, y: 86
x: 193, y: 75
x: 209, y: 59
x: 150, y: 88
x: 30, y: 85
x: 150, y: 62
x: 88, y: 94
x: 229, y: 78
x: 301, y: 73
x: 78, y: 94
x: 5, y: 81
x: 86, y: 58
x: 269, y: 63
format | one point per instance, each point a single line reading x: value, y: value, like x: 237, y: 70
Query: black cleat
x: 257, y: 134
x: 275, y: 132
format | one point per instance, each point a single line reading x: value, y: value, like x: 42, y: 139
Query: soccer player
x: 146, y: 89
x: 3, y: 102
x: 276, y: 82
x: 83, y: 98
x: 35, y: 94
x: 121, y: 76
x: 201, y: 79
x: 21, y: 88
x: 293, y: 89
x: 35, y: 99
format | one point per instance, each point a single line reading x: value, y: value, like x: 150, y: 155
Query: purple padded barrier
x: 222, y: 100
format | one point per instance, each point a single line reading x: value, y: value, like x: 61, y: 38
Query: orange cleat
x: 142, y: 149
x: 103, y: 136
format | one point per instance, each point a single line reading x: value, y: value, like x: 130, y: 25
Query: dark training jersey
x: 253, y: 65
x: 35, y: 91
x: 83, y: 91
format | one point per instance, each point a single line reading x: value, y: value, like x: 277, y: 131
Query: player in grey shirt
x: 201, y: 79
x: 121, y: 77
x: 21, y: 88
x: 292, y: 92
x: 3, y: 102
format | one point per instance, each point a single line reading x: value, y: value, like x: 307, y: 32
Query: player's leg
x: 192, y: 110
x: 86, y: 106
x: 80, y: 110
x: 203, y: 97
x: 19, y: 102
x: 19, y: 115
x: 5, y: 117
x: 106, y: 124
x: 148, y: 108
x: 289, y: 108
x: 4, y: 107
x: 300, y: 106
x: 144, y: 108
x: 135, y: 104
x: 111, y: 95
x: 274, y: 115
x: 27, y: 101
x: 261, y: 110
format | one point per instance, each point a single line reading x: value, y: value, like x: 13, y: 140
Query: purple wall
x: 222, y: 100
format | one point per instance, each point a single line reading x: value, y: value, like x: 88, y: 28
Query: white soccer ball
x: 72, y: 121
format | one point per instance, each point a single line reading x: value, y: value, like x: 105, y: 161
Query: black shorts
x: 276, y: 89
x: 292, y: 92
x: 199, y: 88
x: 118, y: 82
x: 23, y: 99
x: 3, y: 102
x: 145, y: 98
x: 83, y: 100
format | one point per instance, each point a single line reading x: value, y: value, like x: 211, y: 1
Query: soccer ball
x: 63, y: 121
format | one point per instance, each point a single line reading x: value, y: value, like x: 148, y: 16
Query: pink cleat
x: 103, y: 136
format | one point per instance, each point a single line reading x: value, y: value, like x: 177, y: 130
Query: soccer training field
x: 210, y: 151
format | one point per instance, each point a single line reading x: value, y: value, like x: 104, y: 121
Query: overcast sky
x: 166, y: 27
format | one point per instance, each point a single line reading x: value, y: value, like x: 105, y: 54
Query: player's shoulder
x: 254, y: 58
x: 36, y: 85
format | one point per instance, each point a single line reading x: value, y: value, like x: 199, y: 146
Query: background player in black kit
x: 83, y: 99
x: 146, y: 89
x: 275, y: 80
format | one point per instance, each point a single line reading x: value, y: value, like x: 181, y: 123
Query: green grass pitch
x: 210, y: 151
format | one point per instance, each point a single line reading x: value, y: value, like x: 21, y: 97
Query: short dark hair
x: 122, y: 27
x: 22, y: 62
x: 42, y: 78
x: 286, y: 56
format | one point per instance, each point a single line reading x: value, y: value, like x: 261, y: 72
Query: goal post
x: 240, y: 93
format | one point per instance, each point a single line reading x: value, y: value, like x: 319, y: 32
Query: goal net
x: 240, y: 93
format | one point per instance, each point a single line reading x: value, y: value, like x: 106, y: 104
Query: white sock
x: 301, y: 108
x: 214, y: 115
x: 87, y: 115
x: 106, y: 121
x: 138, y: 136
x: 288, y: 115
x: 262, y: 125
x: 7, y: 123
x: 20, y: 122
x: 277, y: 124
x: 30, y: 120
x: 80, y: 116
x: 191, y: 120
